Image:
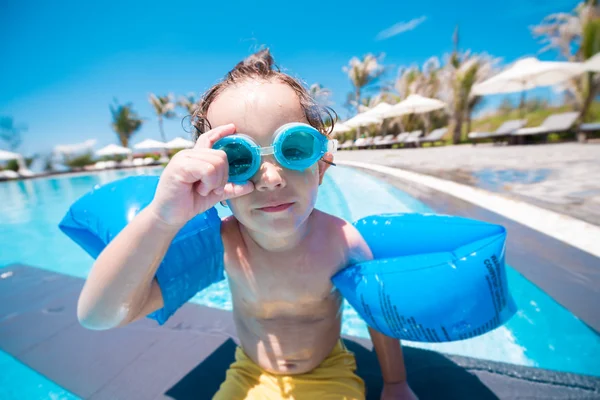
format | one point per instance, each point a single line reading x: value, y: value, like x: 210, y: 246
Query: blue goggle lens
x: 299, y: 146
x: 239, y: 157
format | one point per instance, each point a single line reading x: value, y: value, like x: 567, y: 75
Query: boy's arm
x: 121, y: 286
x: 389, y: 350
x: 393, y: 370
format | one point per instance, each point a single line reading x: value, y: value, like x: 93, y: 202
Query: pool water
x: 542, y: 334
x: 498, y: 179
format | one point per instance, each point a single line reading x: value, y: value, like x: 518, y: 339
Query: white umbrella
x: 362, y: 120
x: 150, y: 144
x: 593, y: 64
x: 369, y: 117
x: 75, y: 148
x: 7, y: 155
x: 180, y: 143
x: 414, y: 104
x: 379, y: 110
x: 528, y: 73
x: 340, y: 128
x: 113, y: 150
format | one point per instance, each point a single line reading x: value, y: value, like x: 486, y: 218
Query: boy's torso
x: 287, y: 313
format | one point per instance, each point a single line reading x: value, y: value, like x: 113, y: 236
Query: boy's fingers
x: 232, y: 190
x: 208, y: 139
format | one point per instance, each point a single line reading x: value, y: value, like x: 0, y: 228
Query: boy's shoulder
x: 323, y: 221
x: 350, y: 238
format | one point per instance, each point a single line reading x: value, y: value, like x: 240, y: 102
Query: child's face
x: 282, y: 199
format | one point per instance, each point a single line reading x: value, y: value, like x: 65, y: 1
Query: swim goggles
x: 296, y: 146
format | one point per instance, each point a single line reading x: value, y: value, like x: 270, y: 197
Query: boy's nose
x: 269, y: 177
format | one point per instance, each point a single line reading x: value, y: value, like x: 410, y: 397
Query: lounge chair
x: 413, y: 138
x: 365, y: 143
x: 388, y: 141
x: 126, y: 163
x: 556, y: 123
x: 378, y: 141
x: 434, y: 136
x: 501, y: 134
x: 400, y: 138
x: 100, y: 165
x: 8, y: 174
x: 584, y: 131
x: 359, y: 142
x: 347, y: 144
x: 25, y: 173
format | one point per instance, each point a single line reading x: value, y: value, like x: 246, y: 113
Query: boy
x: 280, y: 252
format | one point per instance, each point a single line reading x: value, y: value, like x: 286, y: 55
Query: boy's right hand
x: 195, y: 180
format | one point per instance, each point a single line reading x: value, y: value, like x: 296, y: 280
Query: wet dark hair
x: 261, y: 65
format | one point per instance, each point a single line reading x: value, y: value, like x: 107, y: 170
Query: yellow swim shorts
x: 334, y: 378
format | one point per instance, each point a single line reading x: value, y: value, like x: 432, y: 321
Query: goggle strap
x: 328, y: 162
x: 332, y: 145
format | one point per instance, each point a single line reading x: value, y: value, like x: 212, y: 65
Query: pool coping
x: 568, y: 274
x: 575, y: 232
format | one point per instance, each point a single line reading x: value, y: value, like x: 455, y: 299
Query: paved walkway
x: 561, y: 177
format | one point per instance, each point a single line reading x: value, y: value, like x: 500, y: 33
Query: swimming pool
x: 542, y: 334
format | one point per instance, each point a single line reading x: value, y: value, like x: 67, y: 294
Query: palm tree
x: 10, y: 132
x: 188, y: 102
x: 125, y: 122
x: 476, y: 69
x: 164, y: 107
x: 424, y: 81
x: 363, y: 73
x: 319, y: 93
x: 461, y: 71
x: 576, y: 37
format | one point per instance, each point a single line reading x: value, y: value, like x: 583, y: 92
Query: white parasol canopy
x: 362, y: 120
x: 113, y: 150
x: 340, y: 128
x: 7, y: 155
x: 75, y: 148
x: 593, y: 64
x: 180, y: 143
x: 529, y: 73
x: 379, y: 110
x: 414, y: 104
x: 150, y: 144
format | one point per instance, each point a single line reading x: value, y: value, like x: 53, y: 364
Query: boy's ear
x: 323, y: 165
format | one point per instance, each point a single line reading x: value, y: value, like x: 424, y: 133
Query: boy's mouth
x: 276, y: 207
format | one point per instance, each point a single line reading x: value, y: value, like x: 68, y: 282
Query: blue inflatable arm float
x: 433, y: 278
x: 194, y: 260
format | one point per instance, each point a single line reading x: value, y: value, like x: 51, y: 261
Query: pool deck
x: 563, y: 177
x: 188, y: 356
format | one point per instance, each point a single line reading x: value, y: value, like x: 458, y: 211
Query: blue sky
x: 64, y: 62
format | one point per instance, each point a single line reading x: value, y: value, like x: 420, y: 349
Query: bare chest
x: 269, y: 286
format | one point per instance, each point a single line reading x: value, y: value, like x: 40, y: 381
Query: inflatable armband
x: 433, y: 278
x: 194, y: 260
